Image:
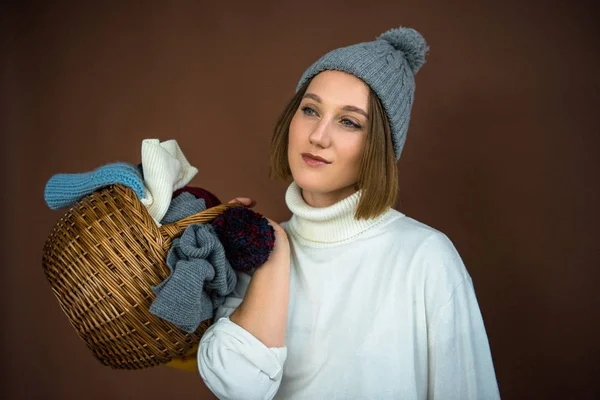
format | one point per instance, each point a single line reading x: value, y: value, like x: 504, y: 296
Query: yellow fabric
x: 187, y: 362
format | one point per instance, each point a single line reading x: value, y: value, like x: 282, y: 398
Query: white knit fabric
x: 379, y: 309
x: 165, y: 170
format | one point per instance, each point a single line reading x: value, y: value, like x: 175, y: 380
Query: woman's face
x: 327, y: 137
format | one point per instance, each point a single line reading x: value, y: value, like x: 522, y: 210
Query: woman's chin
x: 312, y: 184
x: 321, y: 186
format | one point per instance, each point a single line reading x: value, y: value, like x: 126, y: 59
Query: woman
x: 357, y: 301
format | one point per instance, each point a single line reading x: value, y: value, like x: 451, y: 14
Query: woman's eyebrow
x: 356, y: 110
x: 312, y: 96
x: 347, y: 108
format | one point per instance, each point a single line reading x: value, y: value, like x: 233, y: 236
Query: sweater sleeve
x: 460, y: 365
x: 232, y: 362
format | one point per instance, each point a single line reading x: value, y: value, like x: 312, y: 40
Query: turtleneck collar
x: 327, y: 225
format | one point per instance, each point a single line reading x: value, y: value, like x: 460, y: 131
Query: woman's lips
x: 312, y: 161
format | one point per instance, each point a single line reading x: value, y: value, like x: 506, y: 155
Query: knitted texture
x: 183, y: 206
x: 388, y: 65
x: 63, y: 190
x: 200, y: 279
x: 247, y: 236
x: 165, y: 170
x: 210, y: 199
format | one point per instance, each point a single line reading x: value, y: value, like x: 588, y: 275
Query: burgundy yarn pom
x: 210, y: 199
x: 247, y: 237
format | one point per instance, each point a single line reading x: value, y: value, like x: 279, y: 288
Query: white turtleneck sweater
x: 378, y: 309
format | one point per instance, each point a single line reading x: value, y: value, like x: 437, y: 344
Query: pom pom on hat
x: 247, y: 237
x: 410, y: 42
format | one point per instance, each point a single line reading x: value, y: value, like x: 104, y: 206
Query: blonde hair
x: 378, y: 173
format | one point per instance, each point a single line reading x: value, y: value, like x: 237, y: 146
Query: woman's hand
x: 263, y: 311
x: 245, y: 201
x: 280, y: 254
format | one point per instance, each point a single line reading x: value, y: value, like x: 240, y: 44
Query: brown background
x: 502, y: 155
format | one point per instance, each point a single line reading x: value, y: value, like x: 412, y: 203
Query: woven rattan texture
x: 101, y: 259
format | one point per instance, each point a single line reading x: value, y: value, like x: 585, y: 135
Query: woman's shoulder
x: 409, y: 231
x: 431, y: 251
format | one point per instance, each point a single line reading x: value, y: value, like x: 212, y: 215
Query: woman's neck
x: 321, y: 200
x: 329, y: 225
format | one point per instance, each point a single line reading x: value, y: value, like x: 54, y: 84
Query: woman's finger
x: 246, y: 201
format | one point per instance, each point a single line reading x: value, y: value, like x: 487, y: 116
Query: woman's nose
x: 320, y: 136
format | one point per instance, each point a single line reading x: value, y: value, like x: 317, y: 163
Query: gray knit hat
x: 388, y: 65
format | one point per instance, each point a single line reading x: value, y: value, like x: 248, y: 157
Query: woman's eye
x: 350, y: 124
x: 308, y: 111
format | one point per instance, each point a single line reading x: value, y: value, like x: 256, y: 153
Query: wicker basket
x: 101, y: 260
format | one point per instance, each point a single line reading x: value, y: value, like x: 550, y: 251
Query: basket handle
x: 174, y: 229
